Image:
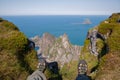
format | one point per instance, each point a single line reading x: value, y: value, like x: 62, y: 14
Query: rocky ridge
x: 57, y: 49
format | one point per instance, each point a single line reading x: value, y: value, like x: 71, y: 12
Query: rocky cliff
x: 101, y: 49
x: 57, y: 49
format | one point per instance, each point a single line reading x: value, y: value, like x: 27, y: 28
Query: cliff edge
x: 102, y: 49
x: 17, y: 57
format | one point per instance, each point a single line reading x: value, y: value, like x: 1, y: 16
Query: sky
x: 59, y: 7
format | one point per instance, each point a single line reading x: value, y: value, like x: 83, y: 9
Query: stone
x: 93, y: 36
x: 57, y: 49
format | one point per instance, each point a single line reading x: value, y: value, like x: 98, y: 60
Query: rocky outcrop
x: 57, y: 49
x: 93, y: 37
x: 44, y: 43
x: 87, y: 21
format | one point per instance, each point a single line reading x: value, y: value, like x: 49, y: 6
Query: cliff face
x: 101, y: 49
x: 17, y: 57
x: 57, y: 49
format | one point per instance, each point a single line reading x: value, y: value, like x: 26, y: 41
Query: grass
x: 17, y: 60
x: 109, y: 64
x: 91, y: 60
x: 106, y: 64
x: 69, y: 71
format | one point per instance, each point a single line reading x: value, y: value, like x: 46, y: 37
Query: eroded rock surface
x: 57, y: 49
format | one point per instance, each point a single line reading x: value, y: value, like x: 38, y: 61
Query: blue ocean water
x: 57, y: 25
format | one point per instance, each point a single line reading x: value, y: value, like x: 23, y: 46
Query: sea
x: 73, y: 25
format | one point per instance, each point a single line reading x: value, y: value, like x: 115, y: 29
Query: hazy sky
x: 59, y: 7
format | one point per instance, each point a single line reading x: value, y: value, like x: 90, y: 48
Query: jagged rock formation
x: 57, y: 49
x: 93, y: 37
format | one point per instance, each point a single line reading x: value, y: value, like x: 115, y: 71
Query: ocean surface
x: 73, y: 25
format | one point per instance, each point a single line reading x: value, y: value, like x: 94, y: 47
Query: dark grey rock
x: 31, y: 44
x: 93, y: 37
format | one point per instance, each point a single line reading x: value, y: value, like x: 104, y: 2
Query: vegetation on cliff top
x: 17, y: 59
x: 112, y: 27
x: 109, y: 64
x: 106, y: 65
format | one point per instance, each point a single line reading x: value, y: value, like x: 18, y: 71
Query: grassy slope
x: 69, y: 71
x: 109, y: 68
x: 17, y: 60
x: 106, y: 66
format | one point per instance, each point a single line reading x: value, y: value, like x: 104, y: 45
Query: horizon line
x: 57, y: 15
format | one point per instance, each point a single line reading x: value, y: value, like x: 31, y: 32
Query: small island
x: 87, y: 21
